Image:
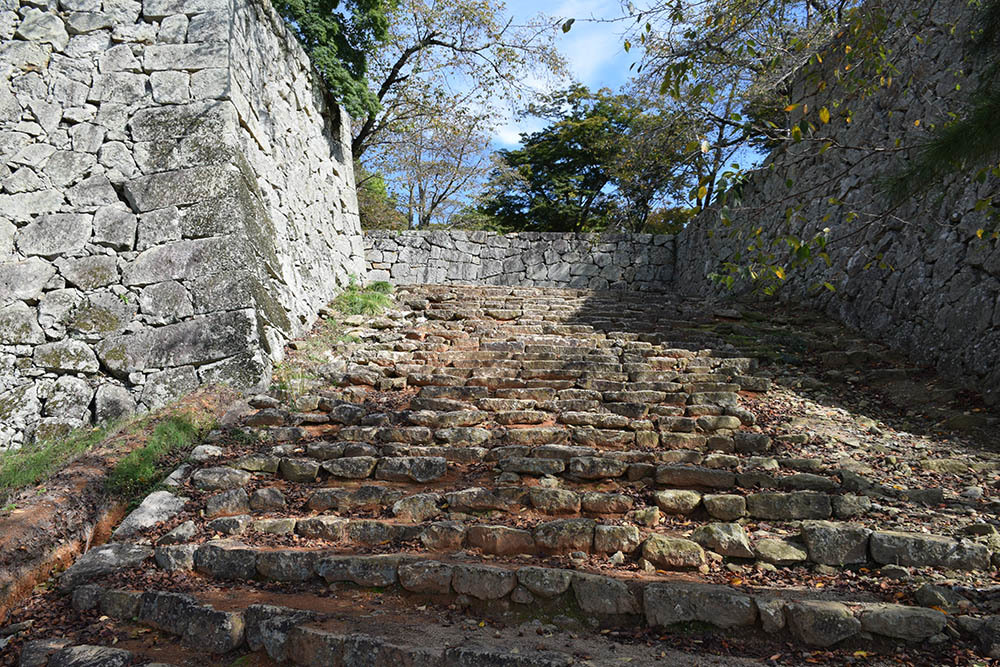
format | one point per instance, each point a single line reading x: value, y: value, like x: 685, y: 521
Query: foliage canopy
x: 603, y: 160
x: 340, y: 36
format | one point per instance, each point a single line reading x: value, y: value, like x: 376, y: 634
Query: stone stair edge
x: 807, y: 619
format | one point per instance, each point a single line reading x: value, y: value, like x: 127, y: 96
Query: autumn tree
x: 442, y: 55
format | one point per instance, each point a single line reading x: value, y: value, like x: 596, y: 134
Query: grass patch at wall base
x: 144, y: 467
x: 369, y: 300
x: 35, y: 462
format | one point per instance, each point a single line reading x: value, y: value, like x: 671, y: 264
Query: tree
x: 653, y: 169
x: 604, y: 160
x: 340, y: 37
x: 377, y: 207
x: 557, y: 180
x: 437, y: 160
x: 724, y: 65
x: 446, y: 54
x: 782, y: 76
x: 449, y: 73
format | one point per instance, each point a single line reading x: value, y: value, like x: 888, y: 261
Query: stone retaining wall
x: 932, y: 287
x: 594, y: 261
x: 177, y: 200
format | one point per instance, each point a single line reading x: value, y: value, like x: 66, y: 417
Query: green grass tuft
x: 32, y: 463
x: 370, y: 300
x: 380, y: 287
x: 142, y: 468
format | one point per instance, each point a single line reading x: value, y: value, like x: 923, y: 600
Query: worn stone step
x: 295, y: 633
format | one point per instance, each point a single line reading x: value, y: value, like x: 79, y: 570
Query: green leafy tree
x: 604, y: 160
x: 653, y: 169
x: 558, y: 180
x: 340, y: 36
x: 444, y: 55
x: 377, y: 207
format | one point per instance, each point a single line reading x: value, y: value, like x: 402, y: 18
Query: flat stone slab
x: 103, y: 560
x: 158, y: 507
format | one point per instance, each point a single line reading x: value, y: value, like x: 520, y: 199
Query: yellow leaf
x: 702, y: 192
x: 824, y: 115
x: 736, y: 582
x: 861, y: 654
x: 979, y: 233
x: 916, y: 123
x: 780, y: 272
x: 791, y: 107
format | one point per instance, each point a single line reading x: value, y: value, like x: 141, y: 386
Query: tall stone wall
x: 177, y: 200
x: 594, y: 261
x: 932, y: 287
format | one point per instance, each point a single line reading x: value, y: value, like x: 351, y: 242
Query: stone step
x: 770, y: 481
x: 217, y: 623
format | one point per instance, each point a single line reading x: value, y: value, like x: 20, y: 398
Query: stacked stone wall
x: 587, y: 261
x: 177, y: 200
x: 931, y: 286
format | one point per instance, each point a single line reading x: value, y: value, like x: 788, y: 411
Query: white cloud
x: 508, y: 134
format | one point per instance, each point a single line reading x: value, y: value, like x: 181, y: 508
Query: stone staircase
x: 528, y: 476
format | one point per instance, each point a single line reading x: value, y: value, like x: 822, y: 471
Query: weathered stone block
x: 917, y: 549
x: 42, y: 27
x: 89, y: 273
x: 177, y: 188
x: 114, y: 227
x: 820, y: 623
x: 835, y: 544
x: 52, y: 235
x: 157, y: 9
x: 603, y: 595
x: 668, y: 604
x: 68, y: 355
x: 19, y: 325
x: 210, y: 120
x: 193, y: 342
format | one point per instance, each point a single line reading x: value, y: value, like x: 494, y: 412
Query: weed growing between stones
x: 33, y: 463
x: 310, y: 361
x: 369, y: 300
x: 142, y: 468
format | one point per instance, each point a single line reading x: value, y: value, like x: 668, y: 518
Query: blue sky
x: 593, y: 51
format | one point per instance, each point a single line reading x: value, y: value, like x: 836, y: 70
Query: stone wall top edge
x: 339, y: 114
x: 599, y: 236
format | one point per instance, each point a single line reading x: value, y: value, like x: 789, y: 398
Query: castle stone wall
x: 177, y: 199
x: 595, y: 261
x: 916, y: 274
